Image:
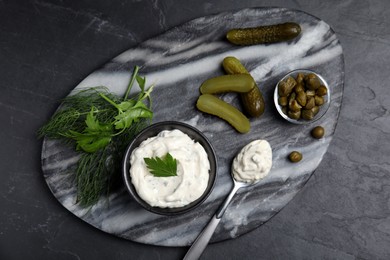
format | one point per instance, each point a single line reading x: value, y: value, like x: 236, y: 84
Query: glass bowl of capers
x: 302, y: 96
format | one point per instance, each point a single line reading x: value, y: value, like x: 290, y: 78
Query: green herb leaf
x: 165, y: 166
x: 95, y: 135
x: 132, y: 114
x: 141, y: 82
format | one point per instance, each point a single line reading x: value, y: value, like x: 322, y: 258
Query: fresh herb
x: 165, y: 166
x: 100, y: 124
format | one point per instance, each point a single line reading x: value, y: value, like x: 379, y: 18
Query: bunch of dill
x: 100, y: 125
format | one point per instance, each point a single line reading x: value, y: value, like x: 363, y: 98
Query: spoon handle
x: 204, y: 237
x: 202, y: 240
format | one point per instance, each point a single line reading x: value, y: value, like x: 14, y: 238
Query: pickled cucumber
x: 253, y: 100
x: 264, y: 34
x: 228, y: 83
x: 212, y: 105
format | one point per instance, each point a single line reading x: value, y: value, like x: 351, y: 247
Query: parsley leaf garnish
x: 165, y: 166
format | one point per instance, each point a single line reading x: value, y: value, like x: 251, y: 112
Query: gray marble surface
x: 177, y: 62
x: 48, y: 47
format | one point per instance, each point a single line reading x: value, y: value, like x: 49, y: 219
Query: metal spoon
x: 203, y: 239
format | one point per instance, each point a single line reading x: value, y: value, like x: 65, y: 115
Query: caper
x: 307, y: 114
x: 315, y: 110
x: 312, y: 81
x: 318, y: 132
x: 283, y: 101
x: 291, y: 98
x: 294, y: 106
x: 310, y: 93
x: 294, y: 115
x: 298, y: 88
x: 322, y: 91
x: 286, y: 86
x: 295, y: 156
x: 301, y: 98
x: 319, y: 101
x: 300, y: 78
x: 284, y: 110
x: 310, y: 103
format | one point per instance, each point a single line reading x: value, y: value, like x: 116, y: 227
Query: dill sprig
x: 100, y: 125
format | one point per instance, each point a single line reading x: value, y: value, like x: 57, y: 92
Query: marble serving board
x: 177, y: 62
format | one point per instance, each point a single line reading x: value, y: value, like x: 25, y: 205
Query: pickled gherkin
x: 210, y: 104
x: 253, y: 101
x: 228, y: 83
x: 264, y: 34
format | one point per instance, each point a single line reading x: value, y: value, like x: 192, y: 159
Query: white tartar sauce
x: 253, y: 162
x: 192, y: 170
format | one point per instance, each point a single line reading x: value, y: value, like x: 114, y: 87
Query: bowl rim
x: 153, y: 130
x: 323, y: 109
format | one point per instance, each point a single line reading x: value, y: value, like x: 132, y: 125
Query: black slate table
x: 48, y: 47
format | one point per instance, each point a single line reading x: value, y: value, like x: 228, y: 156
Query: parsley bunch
x: 100, y: 125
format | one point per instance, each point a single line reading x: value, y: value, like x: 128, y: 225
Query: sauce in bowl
x: 193, y: 169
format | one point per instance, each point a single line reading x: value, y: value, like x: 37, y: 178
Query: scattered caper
x: 318, y: 132
x: 295, y: 156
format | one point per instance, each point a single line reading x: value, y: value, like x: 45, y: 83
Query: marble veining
x: 177, y: 62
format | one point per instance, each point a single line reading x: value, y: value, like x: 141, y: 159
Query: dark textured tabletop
x: 48, y: 47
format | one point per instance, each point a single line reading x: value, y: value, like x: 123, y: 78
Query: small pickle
x: 317, y: 132
x: 295, y: 156
x: 241, y: 83
x: 253, y: 101
x: 264, y: 34
x: 212, y: 105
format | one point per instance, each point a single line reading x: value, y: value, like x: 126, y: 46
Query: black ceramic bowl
x: 153, y: 130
